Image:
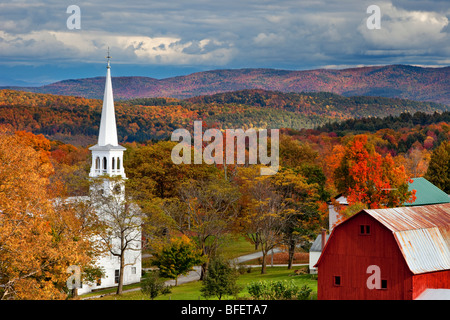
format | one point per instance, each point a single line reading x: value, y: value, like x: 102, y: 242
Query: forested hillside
x: 201, y: 201
x: 75, y: 120
x: 392, y: 81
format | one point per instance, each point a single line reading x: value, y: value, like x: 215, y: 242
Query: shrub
x: 277, y: 290
x: 153, y: 286
x: 304, y: 293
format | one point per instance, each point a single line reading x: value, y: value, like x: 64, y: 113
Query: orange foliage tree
x: 364, y: 176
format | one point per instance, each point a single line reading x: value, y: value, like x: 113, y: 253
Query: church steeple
x: 107, y: 154
x: 108, y: 131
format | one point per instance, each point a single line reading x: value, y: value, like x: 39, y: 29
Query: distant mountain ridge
x: 392, y: 81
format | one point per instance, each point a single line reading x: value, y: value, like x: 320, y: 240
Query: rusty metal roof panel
x: 406, y: 218
x: 424, y: 250
x: 422, y: 233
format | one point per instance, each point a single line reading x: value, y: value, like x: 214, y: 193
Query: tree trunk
x: 291, y: 253
x: 263, y: 264
x: 120, y: 286
x: 203, y: 271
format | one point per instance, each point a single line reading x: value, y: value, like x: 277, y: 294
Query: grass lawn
x: 191, y: 291
x: 234, y: 247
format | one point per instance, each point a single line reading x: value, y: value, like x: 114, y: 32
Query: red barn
x: 387, y: 254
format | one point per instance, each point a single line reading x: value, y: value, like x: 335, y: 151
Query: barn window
x: 383, y: 284
x: 337, y: 280
x: 364, y: 229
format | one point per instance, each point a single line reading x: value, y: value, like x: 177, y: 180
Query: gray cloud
x: 236, y: 33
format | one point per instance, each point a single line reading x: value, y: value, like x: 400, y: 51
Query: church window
x: 97, y: 163
x: 112, y: 163
x: 105, y: 163
x: 118, y: 163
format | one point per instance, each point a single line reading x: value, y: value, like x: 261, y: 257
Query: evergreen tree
x: 220, y: 279
x: 438, y: 171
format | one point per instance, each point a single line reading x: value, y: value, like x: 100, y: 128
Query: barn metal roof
x: 435, y: 294
x: 422, y: 234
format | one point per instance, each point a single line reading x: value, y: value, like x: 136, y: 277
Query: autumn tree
x: 438, y: 171
x: 416, y: 162
x: 41, y: 234
x: 363, y: 175
x: 154, y: 181
x: 121, y: 220
x: 205, y: 212
x: 262, y: 220
x: 154, y: 174
x: 300, y: 203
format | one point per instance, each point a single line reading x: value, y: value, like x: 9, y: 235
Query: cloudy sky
x: 163, y: 38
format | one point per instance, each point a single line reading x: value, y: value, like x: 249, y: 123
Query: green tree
x: 438, y: 171
x: 177, y: 258
x: 153, y: 286
x: 220, y: 279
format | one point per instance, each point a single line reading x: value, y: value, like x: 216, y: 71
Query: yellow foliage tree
x: 39, y: 238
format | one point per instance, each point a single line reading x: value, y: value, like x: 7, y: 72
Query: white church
x: 107, y: 161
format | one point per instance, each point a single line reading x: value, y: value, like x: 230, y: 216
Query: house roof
x: 426, y: 193
x: 317, y: 244
x: 422, y: 234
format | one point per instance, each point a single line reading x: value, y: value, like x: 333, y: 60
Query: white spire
x: 108, y: 130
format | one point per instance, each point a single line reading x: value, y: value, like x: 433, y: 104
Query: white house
x: 316, y: 249
x: 107, y: 160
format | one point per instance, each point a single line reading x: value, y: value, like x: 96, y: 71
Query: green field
x: 191, y: 291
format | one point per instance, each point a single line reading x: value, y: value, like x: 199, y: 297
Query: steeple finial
x: 108, y: 57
